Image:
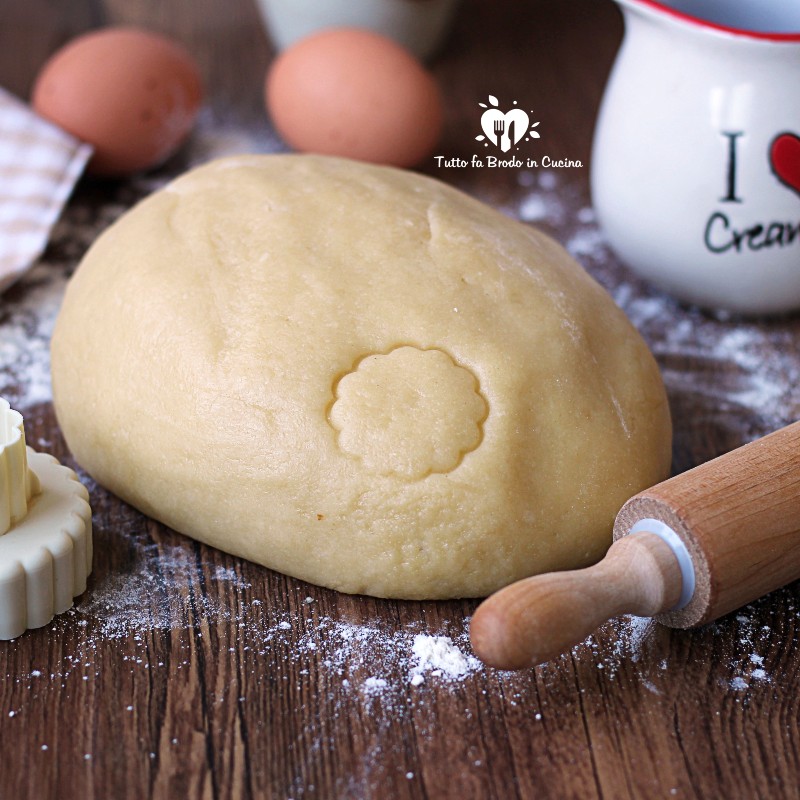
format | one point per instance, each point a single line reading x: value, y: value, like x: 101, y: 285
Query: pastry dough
x: 358, y: 376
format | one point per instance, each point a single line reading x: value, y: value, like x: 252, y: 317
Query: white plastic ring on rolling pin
x: 663, y: 531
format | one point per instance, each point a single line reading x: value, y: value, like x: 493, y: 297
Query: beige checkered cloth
x: 39, y: 166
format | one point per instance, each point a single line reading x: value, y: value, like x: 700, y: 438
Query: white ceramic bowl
x: 418, y: 25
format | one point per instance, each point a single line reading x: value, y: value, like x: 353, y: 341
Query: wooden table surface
x: 186, y: 672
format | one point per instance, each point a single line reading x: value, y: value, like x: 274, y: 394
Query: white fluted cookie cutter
x: 45, y: 532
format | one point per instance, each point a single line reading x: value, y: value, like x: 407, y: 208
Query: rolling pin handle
x: 537, y: 618
x: 682, y: 555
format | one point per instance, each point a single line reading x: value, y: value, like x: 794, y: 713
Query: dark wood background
x: 173, y: 676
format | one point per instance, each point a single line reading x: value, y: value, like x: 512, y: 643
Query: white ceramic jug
x: 696, y: 160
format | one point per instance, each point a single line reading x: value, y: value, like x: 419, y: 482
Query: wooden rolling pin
x: 687, y: 551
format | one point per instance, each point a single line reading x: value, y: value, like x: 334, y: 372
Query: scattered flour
x: 163, y: 587
x: 388, y: 666
x: 548, y: 179
x: 536, y: 207
x: 28, y: 310
x: 745, y: 377
x: 25, y: 329
x: 585, y: 242
x: 373, y: 685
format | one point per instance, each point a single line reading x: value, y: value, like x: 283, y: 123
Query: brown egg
x: 132, y: 94
x: 353, y: 93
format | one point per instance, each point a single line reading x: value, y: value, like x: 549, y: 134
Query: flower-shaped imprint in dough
x: 409, y: 412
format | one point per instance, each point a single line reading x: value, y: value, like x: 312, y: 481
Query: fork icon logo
x: 504, y: 130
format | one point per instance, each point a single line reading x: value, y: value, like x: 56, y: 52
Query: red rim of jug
x: 771, y: 37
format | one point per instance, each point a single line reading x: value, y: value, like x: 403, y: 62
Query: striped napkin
x: 39, y: 166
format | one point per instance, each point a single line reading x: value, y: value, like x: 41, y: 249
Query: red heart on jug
x: 784, y: 156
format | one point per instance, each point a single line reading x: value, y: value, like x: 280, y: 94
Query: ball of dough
x: 358, y: 376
